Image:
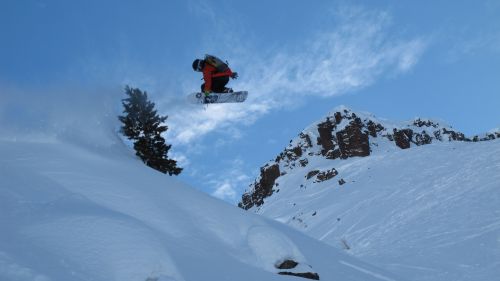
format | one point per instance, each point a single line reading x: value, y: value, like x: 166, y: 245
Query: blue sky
x: 63, y: 65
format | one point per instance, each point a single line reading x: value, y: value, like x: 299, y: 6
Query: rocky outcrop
x: 312, y: 174
x: 303, y: 162
x: 353, y: 141
x: 263, y: 188
x: 287, y: 264
x: 291, y: 264
x: 326, y: 175
x: 456, y: 136
x: 307, y: 275
x: 348, y: 142
x: 326, y: 140
x: 322, y: 175
x: 402, y: 138
x: 374, y: 128
x: 425, y: 123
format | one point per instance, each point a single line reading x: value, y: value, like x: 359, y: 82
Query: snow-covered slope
x: 71, y: 212
x: 429, y: 211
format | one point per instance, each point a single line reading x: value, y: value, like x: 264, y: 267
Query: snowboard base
x: 234, y: 97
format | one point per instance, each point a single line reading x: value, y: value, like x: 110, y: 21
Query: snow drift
x: 80, y: 212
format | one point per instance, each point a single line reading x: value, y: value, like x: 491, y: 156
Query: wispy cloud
x: 227, y: 186
x: 351, y: 55
x: 473, y: 43
x: 225, y: 191
x: 202, y: 9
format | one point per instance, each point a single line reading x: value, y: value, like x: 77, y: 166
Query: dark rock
x: 303, y: 162
x: 403, y: 138
x: 489, y: 137
x: 422, y: 138
x: 287, y: 264
x: 263, y: 188
x: 307, y: 139
x: 374, y: 128
x: 452, y: 135
x: 308, y: 275
x: 290, y: 154
x: 246, y: 199
x: 338, y: 117
x: 437, y: 135
x: 297, y: 151
x: 326, y: 175
x: 352, y: 141
x: 341, y: 181
x: 420, y: 123
x: 325, y: 136
x: 333, y: 154
x: 312, y: 174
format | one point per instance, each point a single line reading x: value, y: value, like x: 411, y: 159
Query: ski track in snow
x: 381, y: 277
x: 431, y: 212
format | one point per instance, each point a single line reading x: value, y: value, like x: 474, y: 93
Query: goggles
x: 199, y: 65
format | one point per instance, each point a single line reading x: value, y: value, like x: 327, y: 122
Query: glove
x: 234, y: 75
x: 207, y: 92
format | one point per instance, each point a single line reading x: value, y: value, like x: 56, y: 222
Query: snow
x: 80, y: 212
x: 367, y: 271
x: 430, y: 212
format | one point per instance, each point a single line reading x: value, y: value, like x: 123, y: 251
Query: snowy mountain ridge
x: 343, y: 134
x: 417, y: 198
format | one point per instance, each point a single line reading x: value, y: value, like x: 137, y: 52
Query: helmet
x: 197, y: 65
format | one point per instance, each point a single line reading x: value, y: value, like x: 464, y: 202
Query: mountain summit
x: 418, y: 198
x: 344, y: 134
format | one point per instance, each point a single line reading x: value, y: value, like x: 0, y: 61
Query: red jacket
x: 210, y: 72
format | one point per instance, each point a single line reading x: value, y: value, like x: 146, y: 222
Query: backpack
x: 217, y: 63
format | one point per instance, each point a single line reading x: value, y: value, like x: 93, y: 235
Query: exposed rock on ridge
x: 263, y: 188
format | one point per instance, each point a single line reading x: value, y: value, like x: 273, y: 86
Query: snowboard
x: 234, y: 97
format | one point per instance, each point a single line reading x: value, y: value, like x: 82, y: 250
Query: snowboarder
x: 216, y: 74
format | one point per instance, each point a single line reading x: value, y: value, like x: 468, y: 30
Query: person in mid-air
x: 216, y: 74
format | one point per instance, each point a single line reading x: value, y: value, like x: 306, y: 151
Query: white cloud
x: 227, y: 184
x: 413, y: 52
x: 225, y: 192
x: 353, y: 54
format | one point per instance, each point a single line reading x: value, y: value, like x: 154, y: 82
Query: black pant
x: 218, y: 84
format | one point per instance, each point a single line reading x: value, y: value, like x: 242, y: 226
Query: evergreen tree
x: 144, y: 126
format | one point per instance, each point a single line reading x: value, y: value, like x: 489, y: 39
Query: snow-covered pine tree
x: 144, y: 127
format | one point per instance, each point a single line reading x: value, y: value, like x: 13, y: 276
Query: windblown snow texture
x: 71, y: 212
